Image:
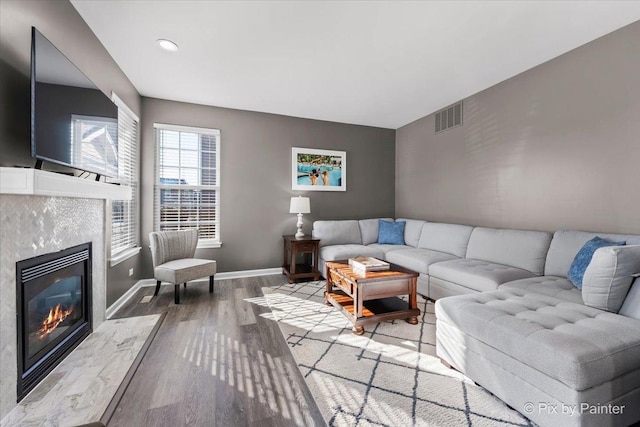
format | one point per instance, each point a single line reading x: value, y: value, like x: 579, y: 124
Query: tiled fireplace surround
x: 33, y: 225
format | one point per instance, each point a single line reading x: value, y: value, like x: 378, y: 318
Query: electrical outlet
x: 130, y: 272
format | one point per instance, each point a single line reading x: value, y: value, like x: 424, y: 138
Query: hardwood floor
x: 215, y: 362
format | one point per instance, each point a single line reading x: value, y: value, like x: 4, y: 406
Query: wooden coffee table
x: 371, y: 297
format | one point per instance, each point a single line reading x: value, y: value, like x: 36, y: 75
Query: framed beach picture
x: 318, y: 170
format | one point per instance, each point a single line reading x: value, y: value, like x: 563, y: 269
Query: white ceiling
x: 377, y: 63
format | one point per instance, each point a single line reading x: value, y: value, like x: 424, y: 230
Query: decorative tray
x: 365, y: 264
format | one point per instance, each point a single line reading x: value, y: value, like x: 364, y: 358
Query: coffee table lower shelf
x: 373, y: 311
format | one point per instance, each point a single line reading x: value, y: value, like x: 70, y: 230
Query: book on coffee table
x: 365, y: 264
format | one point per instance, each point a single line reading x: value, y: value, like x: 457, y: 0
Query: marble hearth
x: 43, y: 212
x: 87, y: 385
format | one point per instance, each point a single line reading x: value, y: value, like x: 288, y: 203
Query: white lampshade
x: 300, y: 205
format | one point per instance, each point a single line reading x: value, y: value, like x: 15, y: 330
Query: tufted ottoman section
x: 578, y: 345
x: 517, y: 343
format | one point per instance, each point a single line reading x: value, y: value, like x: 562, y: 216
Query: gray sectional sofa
x: 508, y: 317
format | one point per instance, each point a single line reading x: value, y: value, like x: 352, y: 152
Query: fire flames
x: 56, y: 316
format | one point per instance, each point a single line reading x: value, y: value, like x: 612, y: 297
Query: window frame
x: 132, y: 247
x: 158, y: 127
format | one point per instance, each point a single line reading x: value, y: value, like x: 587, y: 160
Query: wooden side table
x: 307, y: 246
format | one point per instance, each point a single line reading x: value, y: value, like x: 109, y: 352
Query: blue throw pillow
x: 391, y: 233
x: 583, y: 258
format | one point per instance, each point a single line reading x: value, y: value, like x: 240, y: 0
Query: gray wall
x: 63, y: 26
x: 554, y: 147
x: 256, y: 177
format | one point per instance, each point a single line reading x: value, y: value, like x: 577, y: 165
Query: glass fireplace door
x: 53, y: 313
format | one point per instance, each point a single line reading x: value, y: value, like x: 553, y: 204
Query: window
x: 124, y: 214
x: 188, y: 181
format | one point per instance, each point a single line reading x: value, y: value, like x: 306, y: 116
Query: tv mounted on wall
x: 73, y: 123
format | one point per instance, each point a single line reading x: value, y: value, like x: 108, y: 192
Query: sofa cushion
x: 339, y: 252
x: 553, y: 286
x: 417, y: 259
x: 449, y: 238
x: 412, y: 231
x: 518, y: 248
x: 184, y: 270
x: 337, y: 232
x: 391, y: 233
x: 369, y: 229
x: 388, y: 248
x: 583, y: 258
x: 609, y: 275
x: 566, y: 244
x: 578, y: 345
x: 476, y: 274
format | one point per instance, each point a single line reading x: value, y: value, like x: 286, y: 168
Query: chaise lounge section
x: 537, y: 352
x: 539, y: 348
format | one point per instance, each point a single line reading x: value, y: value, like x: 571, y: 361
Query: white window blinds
x: 188, y: 181
x: 124, y: 216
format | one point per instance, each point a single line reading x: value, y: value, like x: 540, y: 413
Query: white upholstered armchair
x: 172, y: 254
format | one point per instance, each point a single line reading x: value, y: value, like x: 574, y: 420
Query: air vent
x: 449, y: 117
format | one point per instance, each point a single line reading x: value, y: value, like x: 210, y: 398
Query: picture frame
x: 318, y: 170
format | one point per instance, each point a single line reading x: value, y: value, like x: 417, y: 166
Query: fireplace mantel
x: 37, y: 182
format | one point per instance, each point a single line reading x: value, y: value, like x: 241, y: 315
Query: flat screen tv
x: 73, y: 123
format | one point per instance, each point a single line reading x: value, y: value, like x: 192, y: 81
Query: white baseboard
x: 248, y: 273
x: 220, y: 276
x: 122, y: 300
x: 146, y: 282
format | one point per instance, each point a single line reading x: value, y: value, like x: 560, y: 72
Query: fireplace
x: 54, y: 311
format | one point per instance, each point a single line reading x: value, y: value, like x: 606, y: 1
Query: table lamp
x: 299, y: 205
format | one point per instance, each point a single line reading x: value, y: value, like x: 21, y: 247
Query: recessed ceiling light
x: 167, y: 45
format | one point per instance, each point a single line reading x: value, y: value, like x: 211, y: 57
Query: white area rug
x: 390, y: 376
